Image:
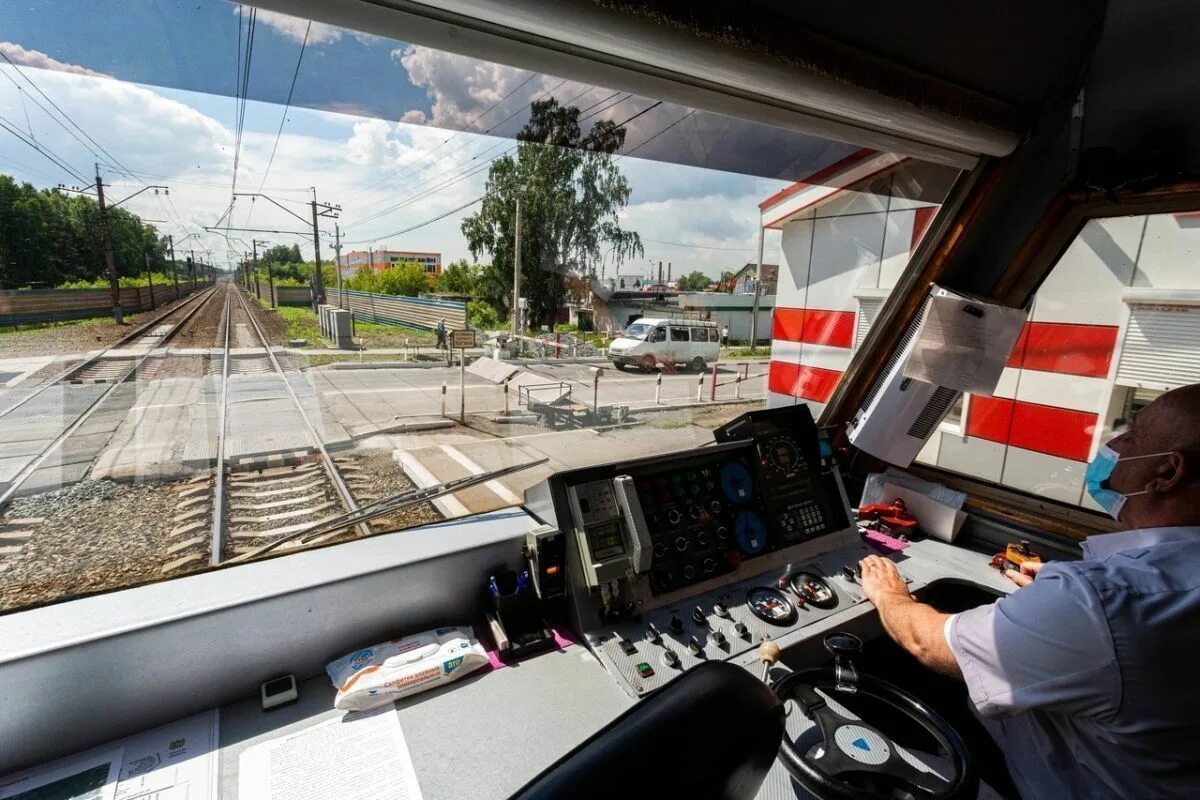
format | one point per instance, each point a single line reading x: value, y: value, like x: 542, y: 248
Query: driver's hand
x: 881, y: 578
x: 1025, y: 575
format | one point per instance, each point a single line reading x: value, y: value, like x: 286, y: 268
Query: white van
x: 685, y: 343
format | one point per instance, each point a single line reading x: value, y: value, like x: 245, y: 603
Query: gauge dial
x: 771, y: 605
x: 736, y: 483
x: 813, y: 589
x: 782, y: 453
x: 750, y: 532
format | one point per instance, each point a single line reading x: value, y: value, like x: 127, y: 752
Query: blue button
x: 861, y: 744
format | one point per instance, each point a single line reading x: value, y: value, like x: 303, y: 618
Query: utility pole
x: 192, y: 263
x: 337, y: 249
x: 110, y: 262
x: 318, y: 278
x: 174, y: 268
x: 254, y: 266
x: 757, y: 289
x: 149, y: 277
x: 516, y: 304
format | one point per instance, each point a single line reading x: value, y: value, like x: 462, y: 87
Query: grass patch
x: 762, y: 351
x: 301, y: 324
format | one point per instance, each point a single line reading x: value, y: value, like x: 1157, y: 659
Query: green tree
x: 459, y: 277
x: 482, y: 315
x: 572, y: 192
x: 695, y: 281
x: 50, y: 238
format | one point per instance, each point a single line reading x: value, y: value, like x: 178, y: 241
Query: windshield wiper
x: 387, y: 505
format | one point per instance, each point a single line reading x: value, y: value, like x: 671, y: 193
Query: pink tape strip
x: 561, y: 642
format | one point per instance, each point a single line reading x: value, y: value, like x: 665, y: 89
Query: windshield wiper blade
x: 387, y: 505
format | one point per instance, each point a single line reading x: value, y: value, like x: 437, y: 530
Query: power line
x: 462, y: 130
x: 47, y: 152
x: 455, y: 178
x: 700, y: 246
x: 64, y: 114
x: 660, y: 133
x: 419, y: 224
x: 286, y: 106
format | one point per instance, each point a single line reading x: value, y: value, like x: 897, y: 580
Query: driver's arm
x: 918, y: 628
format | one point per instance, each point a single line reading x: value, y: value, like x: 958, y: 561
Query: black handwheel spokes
x: 854, y: 754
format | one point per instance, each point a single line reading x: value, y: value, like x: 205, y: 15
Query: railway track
x: 239, y: 506
x: 57, y: 409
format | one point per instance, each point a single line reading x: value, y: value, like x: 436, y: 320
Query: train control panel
x: 677, y: 559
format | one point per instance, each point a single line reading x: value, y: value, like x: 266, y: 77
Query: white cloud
x: 414, y: 116
x: 294, y: 28
x: 34, y: 58
x: 369, y: 145
x: 461, y: 88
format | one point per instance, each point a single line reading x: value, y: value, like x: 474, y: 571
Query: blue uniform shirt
x: 1089, y: 678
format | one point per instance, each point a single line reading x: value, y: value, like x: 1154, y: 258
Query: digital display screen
x: 606, y: 541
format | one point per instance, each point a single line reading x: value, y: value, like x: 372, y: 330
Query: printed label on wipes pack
x: 375, y: 675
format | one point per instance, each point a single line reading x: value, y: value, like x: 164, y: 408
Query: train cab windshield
x: 523, y: 400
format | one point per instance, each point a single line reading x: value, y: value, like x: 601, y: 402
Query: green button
x: 691, y: 476
x: 695, y: 488
x: 709, y: 485
x: 677, y: 478
x: 645, y: 670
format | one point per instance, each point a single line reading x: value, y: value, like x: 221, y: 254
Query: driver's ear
x: 1171, y: 473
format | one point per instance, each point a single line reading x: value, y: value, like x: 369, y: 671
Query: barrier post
x: 713, y: 396
x: 506, y: 399
x: 462, y: 385
x: 658, y: 390
x: 737, y: 387
x: 596, y: 392
x: 700, y: 389
x: 443, y: 398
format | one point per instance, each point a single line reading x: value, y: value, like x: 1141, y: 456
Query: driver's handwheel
x: 854, y: 745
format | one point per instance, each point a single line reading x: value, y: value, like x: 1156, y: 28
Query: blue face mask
x: 1100, y: 469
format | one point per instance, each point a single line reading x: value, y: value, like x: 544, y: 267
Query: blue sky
x: 375, y: 123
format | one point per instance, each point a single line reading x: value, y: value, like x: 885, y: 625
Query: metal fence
x: 285, y: 295
x: 413, y: 312
x: 30, y: 306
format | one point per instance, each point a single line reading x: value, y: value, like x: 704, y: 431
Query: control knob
x: 720, y: 610
x: 653, y: 634
x: 694, y: 512
x: 695, y: 646
x: 741, y: 630
x: 715, y: 506
x: 722, y: 534
x: 676, y: 623
x: 673, y: 516
x: 670, y: 658
x: 681, y: 544
x: 718, y: 638
x: 699, y: 618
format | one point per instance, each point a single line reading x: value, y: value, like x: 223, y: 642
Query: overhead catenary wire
x: 117, y: 164
x: 45, y: 151
x: 286, y: 106
x: 510, y: 150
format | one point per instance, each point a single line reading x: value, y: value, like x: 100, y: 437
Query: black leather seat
x: 712, y: 733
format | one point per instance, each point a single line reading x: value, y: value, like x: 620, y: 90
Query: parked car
x: 649, y: 341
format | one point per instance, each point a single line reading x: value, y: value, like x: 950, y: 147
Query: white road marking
x: 448, y: 505
x: 470, y: 466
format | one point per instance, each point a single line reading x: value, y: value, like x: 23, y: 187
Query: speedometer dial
x: 782, y: 453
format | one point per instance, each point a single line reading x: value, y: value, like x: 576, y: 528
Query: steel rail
x: 124, y: 340
x: 32, y: 467
x: 218, y: 520
x: 326, y: 460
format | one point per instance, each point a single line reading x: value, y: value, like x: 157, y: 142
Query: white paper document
x: 175, y: 762
x: 964, y: 343
x: 936, y: 519
x: 90, y: 776
x: 361, y: 756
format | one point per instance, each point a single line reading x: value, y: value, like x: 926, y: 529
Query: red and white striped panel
x: 1038, y: 430
x: 810, y: 350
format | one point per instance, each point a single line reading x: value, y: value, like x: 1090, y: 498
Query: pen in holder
x: 515, y: 617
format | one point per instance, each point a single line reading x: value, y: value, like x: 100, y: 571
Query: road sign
x: 462, y: 338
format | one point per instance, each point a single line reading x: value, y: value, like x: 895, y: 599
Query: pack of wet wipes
x: 385, y: 672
